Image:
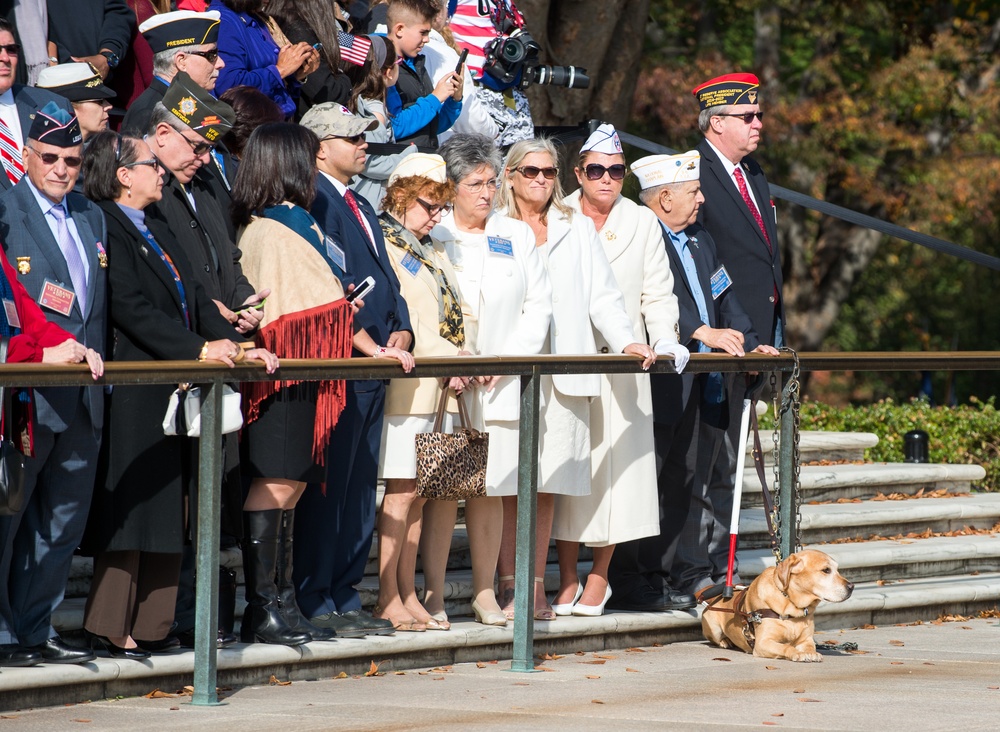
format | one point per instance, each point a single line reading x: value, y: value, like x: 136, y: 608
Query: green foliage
x: 967, y: 434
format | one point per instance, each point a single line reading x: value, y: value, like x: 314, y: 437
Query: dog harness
x: 750, y: 619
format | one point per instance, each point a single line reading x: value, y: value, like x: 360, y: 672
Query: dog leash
x: 758, y: 462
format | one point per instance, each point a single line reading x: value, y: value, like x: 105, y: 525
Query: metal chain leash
x: 793, y: 404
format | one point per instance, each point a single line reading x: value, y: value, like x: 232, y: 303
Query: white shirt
x: 730, y: 167
x: 342, y: 189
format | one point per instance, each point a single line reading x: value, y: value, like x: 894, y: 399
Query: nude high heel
x: 488, y: 617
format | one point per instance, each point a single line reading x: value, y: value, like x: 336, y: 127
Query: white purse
x: 183, y: 415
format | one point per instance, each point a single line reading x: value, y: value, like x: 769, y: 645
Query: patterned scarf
x: 449, y: 304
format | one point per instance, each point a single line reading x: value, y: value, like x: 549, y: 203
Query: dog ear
x: 783, y: 572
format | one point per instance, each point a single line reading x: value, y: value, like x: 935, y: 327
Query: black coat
x: 136, y: 120
x: 142, y: 474
x: 755, y: 270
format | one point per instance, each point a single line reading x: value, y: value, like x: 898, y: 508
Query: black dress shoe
x: 12, y: 654
x: 371, y: 625
x: 222, y: 640
x: 642, y: 599
x: 55, y: 650
x: 677, y: 600
x: 170, y: 643
x: 98, y: 642
x: 343, y: 627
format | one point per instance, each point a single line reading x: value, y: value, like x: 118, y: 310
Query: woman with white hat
x: 622, y: 504
x: 417, y: 196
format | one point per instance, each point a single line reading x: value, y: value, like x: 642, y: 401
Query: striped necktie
x: 10, y: 154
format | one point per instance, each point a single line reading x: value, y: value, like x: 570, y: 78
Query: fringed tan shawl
x: 305, y: 316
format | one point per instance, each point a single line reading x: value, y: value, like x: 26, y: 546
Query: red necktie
x: 353, y: 203
x: 738, y: 174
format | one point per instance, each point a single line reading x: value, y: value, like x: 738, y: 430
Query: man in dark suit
x: 18, y: 105
x: 337, y: 526
x: 57, y: 239
x: 711, y: 318
x: 97, y: 32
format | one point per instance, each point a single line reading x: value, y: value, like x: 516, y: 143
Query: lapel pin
x: 23, y: 265
x: 102, y: 256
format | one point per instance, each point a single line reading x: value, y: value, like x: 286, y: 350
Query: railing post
x: 206, y: 627
x: 787, y: 510
x: 524, y: 569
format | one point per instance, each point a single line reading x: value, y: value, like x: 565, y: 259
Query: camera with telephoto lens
x: 517, y: 53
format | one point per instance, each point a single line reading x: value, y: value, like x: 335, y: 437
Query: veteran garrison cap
x: 658, y: 170
x: 53, y: 125
x: 180, y: 28
x: 728, y: 89
x: 77, y: 82
x: 198, y: 109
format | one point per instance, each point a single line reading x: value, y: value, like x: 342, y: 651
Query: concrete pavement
x: 915, y: 677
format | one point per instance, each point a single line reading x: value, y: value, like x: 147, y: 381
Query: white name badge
x: 335, y: 253
x: 720, y: 282
x: 13, y: 320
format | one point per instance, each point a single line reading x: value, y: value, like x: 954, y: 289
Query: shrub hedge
x: 969, y: 433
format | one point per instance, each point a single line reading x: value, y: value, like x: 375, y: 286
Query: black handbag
x: 11, y: 459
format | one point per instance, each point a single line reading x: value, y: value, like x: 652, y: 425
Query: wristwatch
x: 112, y: 58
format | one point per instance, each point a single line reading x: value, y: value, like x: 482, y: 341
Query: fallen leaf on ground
x: 373, y: 670
x: 798, y: 691
x: 593, y: 677
x: 341, y: 675
x: 896, y: 643
x: 438, y: 678
x: 595, y: 663
x: 480, y: 664
x: 273, y: 681
x: 544, y: 668
x: 550, y: 657
x: 579, y: 653
x: 722, y: 659
x: 84, y: 721
x: 895, y: 663
x: 521, y: 683
x: 157, y: 694
x: 778, y: 714
x: 175, y: 709
x: 596, y: 701
x: 928, y: 663
x: 806, y: 699
x: 634, y: 650
x: 632, y: 670
x: 399, y: 673
x: 608, y: 658
x: 771, y: 668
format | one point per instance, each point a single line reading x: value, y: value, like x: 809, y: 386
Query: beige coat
x: 422, y: 295
x: 623, y: 504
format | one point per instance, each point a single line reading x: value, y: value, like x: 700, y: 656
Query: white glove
x: 681, y: 354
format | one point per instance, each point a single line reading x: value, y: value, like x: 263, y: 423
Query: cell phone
x: 362, y: 290
x: 257, y: 306
x: 318, y: 46
x: 461, y: 60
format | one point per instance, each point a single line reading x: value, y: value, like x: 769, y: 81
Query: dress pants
x: 133, y: 593
x: 333, y: 530
x: 37, y: 544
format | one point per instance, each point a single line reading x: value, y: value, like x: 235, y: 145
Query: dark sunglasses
x: 210, y: 56
x: 72, y: 161
x: 433, y: 209
x: 353, y: 139
x: 12, y: 49
x: 747, y: 117
x: 596, y: 172
x: 200, y: 147
x: 152, y: 163
x: 530, y: 171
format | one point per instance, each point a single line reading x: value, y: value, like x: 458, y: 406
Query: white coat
x: 623, y: 503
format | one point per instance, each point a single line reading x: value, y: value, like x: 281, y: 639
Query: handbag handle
x: 463, y: 413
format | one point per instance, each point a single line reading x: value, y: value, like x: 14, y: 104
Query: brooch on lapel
x: 102, y: 256
x: 23, y: 265
x: 694, y: 241
x: 610, y: 235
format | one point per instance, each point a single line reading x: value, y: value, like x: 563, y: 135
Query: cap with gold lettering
x: 658, y: 170
x: 197, y: 108
x: 77, y: 82
x: 180, y: 28
x: 728, y: 89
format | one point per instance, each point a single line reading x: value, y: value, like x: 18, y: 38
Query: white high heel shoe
x: 593, y: 611
x: 566, y: 608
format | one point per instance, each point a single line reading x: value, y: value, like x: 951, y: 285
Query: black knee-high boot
x: 286, y: 586
x: 263, y: 620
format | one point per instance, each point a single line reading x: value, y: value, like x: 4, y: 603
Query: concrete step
x: 902, y: 602
x: 820, y: 445
x: 829, y: 522
x: 851, y: 481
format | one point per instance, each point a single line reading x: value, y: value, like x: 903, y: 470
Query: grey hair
x: 464, y: 153
x: 162, y: 115
x: 648, y: 195
x: 163, y: 61
x: 705, y: 116
x: 515, y: 156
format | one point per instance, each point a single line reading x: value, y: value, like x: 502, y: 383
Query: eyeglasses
x: 210, y: 56
x: 596, y: 172
x: 152, y: 163
x: 12, y: 49
x: 530, y: 171
x: 72, y: 161
x: 747, y: 117
x: 478, y: 186
x: 433, y: 209
x: 353, y: 139
x: 199, y: 147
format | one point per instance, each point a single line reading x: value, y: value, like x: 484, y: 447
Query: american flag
x: 353, y: 49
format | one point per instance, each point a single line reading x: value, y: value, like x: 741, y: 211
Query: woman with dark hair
x: 257, y: 54
x: 289, y: 423
x: 313, y: 22
x: 137, y: 525
x: 253, y: 108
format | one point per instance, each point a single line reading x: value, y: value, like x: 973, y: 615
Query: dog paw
x: 807, y: 658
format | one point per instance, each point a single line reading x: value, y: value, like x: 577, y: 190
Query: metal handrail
x: 211, y: 376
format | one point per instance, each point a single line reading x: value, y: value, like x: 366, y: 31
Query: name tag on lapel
x: 411, y: 264
x: 501, y: 246
x: 57, y: 298
x: 720, y: 282
x: 335, y: 253
x: 13, y: 320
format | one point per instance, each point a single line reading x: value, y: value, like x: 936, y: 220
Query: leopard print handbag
x: 452, y: 466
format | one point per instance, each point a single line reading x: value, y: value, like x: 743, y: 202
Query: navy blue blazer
x: 670, y: 393
x: 25, y: 233
x: 385, y: 309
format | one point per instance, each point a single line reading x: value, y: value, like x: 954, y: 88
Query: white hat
x: 603, y: 140
x: 658, y: 170
x: 425, y: 165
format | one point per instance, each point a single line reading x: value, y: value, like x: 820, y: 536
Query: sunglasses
x: 530, y: 171
x: 596, y: 172
x: 747, y: 117
x: 200, y: 147
x: 210, y: 56
x: 353, y: 139
x: 433, y: 209
x: 152, y: 163
x: 12, y: 49
x: 72, y: 161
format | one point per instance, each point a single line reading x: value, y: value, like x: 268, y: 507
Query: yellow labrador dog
x: 773, y: 618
